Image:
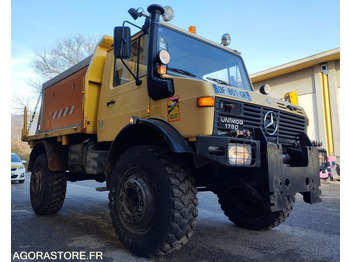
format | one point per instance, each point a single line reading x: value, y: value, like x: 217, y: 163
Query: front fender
x: 146, y: 131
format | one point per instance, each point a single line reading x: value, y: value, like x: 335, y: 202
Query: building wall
x: 310, y: 88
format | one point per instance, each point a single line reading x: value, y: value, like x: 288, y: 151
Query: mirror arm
x: 131, y: 24
x: 138, y: 81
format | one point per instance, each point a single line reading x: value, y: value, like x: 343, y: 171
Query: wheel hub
x: 36, y: 184
x: 134, y: 198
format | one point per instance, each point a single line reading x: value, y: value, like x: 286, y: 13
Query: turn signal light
x: 161, y: 69
x: 205, y: 101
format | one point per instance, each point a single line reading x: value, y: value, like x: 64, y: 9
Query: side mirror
x: 122, y: 42
x: 24, y: 162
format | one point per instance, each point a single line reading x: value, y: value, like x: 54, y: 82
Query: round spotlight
x: 163, y: 57
x: 168, y: 14
x: 226, y: 39
x: 264, y: 89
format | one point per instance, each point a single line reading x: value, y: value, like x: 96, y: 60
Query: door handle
x: 112, y: 102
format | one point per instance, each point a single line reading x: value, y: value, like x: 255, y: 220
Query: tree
x: 67, y: 52
x: 49, y: 62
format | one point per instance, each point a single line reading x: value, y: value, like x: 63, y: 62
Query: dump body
x: 70, y: 100
x: 62, y: 105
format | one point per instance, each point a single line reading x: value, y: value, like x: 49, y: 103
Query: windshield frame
x: 247, y: 85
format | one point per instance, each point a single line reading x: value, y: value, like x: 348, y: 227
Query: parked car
x: 17, y: 168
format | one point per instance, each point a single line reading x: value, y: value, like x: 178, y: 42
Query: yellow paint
x: 25, y: 124
x: 63, y: 139
x: 327, y: 113
x: 192, y: 120
x: 61, y: 132
x: 125, y: 100
x: 92, y: 84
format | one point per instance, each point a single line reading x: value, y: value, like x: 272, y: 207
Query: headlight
x: 20, y: 168
x: 239, y: 154
x: 163, y: 57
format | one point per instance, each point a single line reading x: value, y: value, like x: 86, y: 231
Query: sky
x: 267, y: 33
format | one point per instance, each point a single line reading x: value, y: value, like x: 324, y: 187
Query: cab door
x: 123, y: 98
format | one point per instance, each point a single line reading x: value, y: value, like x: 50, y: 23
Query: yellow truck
x: 159, y: 116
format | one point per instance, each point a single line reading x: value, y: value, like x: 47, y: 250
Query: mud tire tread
x: 183, y: 204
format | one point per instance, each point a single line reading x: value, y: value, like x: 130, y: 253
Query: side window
x: 137, y: 63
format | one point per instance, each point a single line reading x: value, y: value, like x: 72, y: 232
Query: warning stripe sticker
x: 63, y: 112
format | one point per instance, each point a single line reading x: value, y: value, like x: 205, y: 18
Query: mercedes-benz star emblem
x: 270, y: 123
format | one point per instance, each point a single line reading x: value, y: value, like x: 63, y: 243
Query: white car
x: 17, y: 168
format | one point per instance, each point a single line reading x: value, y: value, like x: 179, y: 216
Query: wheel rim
x: 135, y: 200
x: 36, y: 183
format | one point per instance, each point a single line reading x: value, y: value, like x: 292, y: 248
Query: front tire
x: 246, y: 209
x: 152, y: 200
x: 47, y: 188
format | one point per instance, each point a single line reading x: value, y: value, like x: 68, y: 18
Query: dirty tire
x: 152, y: 201
x: 247, y: 211
x: 47, y: 188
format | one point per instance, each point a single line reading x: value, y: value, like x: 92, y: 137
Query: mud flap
x: 285, y: 180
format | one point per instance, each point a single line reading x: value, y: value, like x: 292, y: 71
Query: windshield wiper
x: 219, y: 81
x: 183, y: 72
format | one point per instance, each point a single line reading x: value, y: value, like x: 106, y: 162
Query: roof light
x: 226, y: 39
x: 168, y: 14
x: 265, y: 89
x: 192, y: 29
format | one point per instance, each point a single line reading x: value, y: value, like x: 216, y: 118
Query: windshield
x: 15, y: 158
x: 190, y: 57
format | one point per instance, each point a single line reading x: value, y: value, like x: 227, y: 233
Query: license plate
x: 232, y: 92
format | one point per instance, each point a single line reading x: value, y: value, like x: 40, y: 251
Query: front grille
x: 289, y: 125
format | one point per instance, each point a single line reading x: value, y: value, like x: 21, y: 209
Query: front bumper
x: 278, y: 170
x: 17, y: 176
x: 284, y: 179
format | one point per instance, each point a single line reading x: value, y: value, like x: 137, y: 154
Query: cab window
x: 137, y: 63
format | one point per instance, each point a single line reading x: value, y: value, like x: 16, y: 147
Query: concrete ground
x: 311, y: 233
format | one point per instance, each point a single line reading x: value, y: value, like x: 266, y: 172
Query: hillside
x: 17, y: 146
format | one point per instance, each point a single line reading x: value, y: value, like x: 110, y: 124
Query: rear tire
x: 152, y: 200
x: 47, y: 188
x: 247, y: 210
